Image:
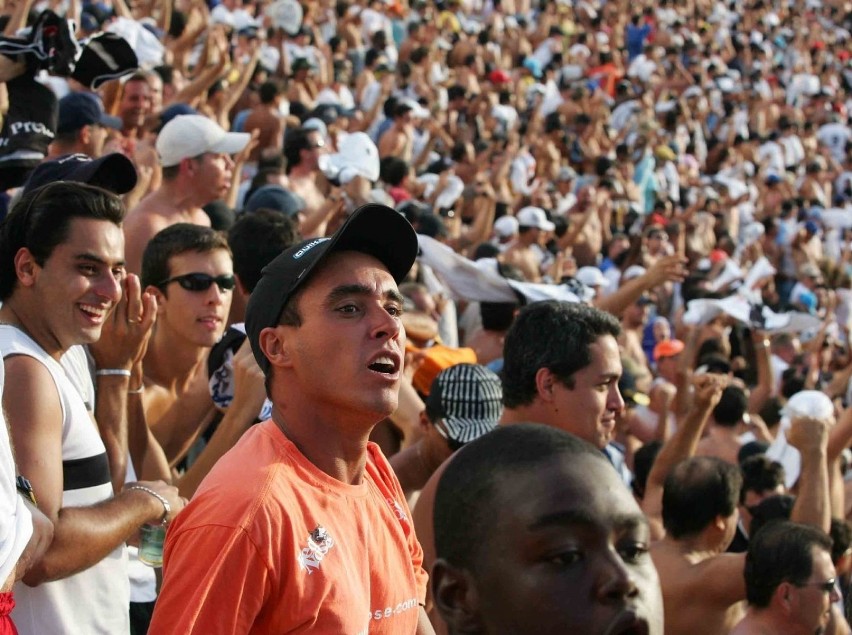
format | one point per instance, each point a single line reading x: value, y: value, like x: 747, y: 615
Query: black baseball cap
x: 113, y: 172
x: 376, y: 230
x: 83, y: 109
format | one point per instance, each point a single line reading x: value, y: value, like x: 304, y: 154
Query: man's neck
x: 335, y: 441
x: 174, y: 196
x: 301, y: 172
x: 695, y: 548
x: 171, y: 362
x: 16, y: 313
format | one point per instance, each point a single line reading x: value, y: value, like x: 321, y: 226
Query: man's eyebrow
x: 88, y: 257
x: 581, y: 517
x: 347, y: 290
x: 609, y: 376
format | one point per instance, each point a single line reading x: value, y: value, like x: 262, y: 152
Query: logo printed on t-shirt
x: 398, y: 509
x: 319, y: 543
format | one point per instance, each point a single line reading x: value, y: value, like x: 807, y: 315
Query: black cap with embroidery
x: 376, y: 230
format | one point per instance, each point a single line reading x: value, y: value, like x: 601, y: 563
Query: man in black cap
x: 304, y: 516
x: 82, y: 126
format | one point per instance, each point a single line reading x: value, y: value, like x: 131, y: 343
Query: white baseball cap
x: 188, y: 136
x: 592, y: 277
x: 534, y: 217
x: 506, y: 226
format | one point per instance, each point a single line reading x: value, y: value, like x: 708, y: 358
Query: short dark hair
x: 696, y: 491
x: 465, y: 497
x: 760, y: 474
x: 268, y: 92
x: 841, y: 538
x: 256, y: 239
x: 643, y: 461
x: 780, y: 552
x: 731, y: 407
x: 294, y: 142
x: 40, y: 222
x: 393, y: 170
x: 554, y: 335
x: 175, y: 240
x: 497, y: 316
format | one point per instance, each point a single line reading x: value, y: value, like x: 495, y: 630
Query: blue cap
x: 174, y: 110
x: 811, y: 227
x: 533, y: 66
x: 275, y: 197
x: 83, y: 109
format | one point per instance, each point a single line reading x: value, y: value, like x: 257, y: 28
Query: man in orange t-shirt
x: 302, y: 527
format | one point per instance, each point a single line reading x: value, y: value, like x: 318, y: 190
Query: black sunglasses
x: 202, y: 281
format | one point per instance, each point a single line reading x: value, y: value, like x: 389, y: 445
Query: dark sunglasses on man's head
x: 202, y: 281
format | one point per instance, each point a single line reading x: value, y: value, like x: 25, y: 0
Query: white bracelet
x: 167, y: 509
x: 109, y: 372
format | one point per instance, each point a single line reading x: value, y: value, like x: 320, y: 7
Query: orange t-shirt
x: 271, y: 544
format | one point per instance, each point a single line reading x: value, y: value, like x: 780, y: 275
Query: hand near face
x: 124, y: 337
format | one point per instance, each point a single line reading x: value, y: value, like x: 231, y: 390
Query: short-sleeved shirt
x: 271, y: 544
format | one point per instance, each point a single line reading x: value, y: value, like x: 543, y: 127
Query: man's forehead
x: 575, y: 489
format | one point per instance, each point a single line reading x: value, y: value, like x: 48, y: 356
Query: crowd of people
x: 465, y: 316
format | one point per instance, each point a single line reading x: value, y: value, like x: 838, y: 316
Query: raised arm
x: 682, y: 444
x: 813, y: 505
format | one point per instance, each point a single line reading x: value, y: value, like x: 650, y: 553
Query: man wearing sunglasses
x: 790, y: 582
x: 188, y: 268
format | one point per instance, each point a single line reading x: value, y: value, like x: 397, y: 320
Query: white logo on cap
x: 308, y: 247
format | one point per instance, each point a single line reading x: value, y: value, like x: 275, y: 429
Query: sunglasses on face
x: 202, y: 281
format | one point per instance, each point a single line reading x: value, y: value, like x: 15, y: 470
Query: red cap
x: 657, y: 219
x: 667, y: 348
x: 717, y: 255
x: 498, y: 76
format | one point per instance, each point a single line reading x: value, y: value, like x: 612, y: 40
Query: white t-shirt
x: 16, y: 523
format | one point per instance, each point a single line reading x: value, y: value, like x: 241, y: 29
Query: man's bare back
x: 699, y: 595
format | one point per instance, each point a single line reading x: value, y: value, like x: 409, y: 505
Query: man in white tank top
x: 61, y: 273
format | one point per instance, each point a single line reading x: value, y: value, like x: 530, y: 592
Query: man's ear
x: 26, y: 267
x: 423, y: 422
x: 157, y: 292
x: 544, y: 380
x: 455, y: 597
x: 275, y: 344
x: 241, y: 289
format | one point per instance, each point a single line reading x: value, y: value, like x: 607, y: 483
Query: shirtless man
x: 526, y: 251
x: 633, y: 321
x: 267, y: 120
x: 791, y: 582
x: 589, y: 243
x: 189, y: 270
x: 197, y: 169
x: 398, y: 139
x: 302, y: 149
x: 696, y: 500
x: 135, y: 105
x: 722, y: 439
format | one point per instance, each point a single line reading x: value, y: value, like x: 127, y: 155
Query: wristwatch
x: 26, y: 489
